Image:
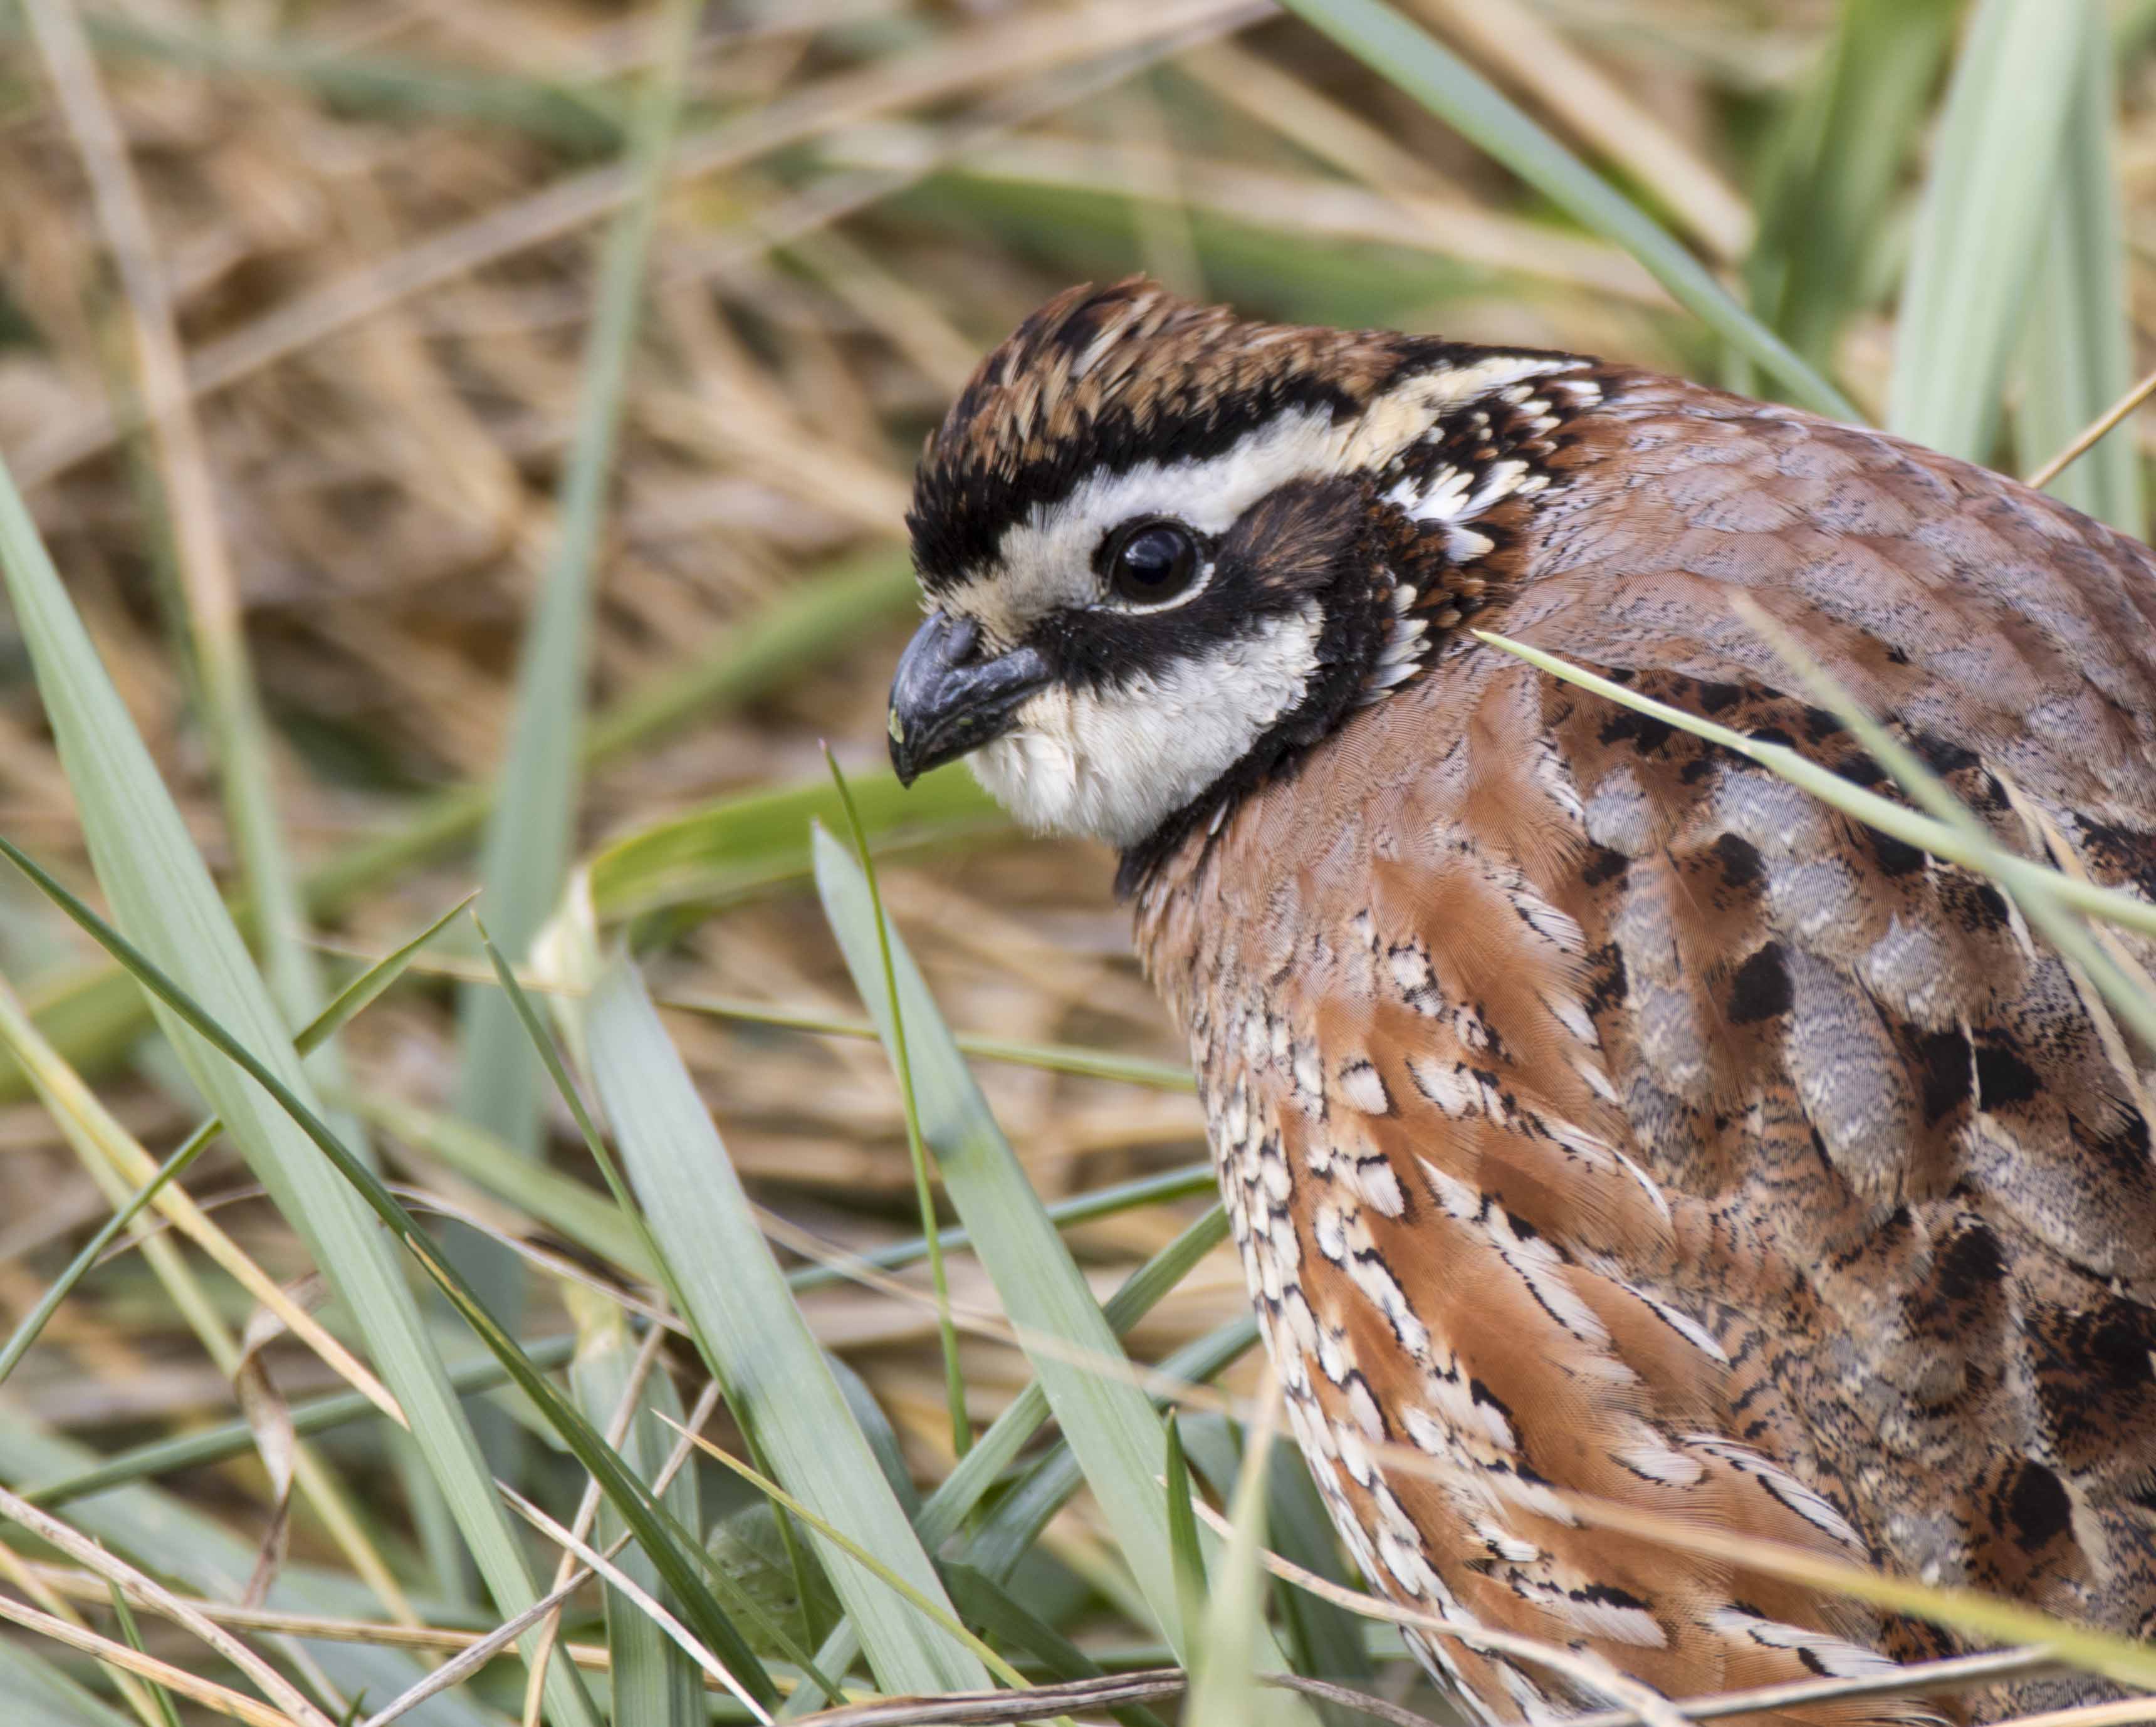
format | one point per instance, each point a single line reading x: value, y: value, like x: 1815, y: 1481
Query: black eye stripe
x: 1105, y: 647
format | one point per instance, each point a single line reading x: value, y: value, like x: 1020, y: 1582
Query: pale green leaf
x: 1224, y: 1687
x: 1182, y: 1530
x: 1982, y: 225
x: 654, y: 1683
x: 760, y: 1348
x: 1837, y: 162
x: 755, y: 839
x: 669, y: 1546
x: 40, y: 1695
x: 167, y: 1534
x: 2076, y: 354
x: 1105, y: 1418
x: 525, y: 854
x: 161, y: 894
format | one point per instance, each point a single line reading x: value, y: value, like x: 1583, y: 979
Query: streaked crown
x: 1101, y: 379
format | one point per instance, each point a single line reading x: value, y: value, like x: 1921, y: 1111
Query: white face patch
x: 1114, y: 764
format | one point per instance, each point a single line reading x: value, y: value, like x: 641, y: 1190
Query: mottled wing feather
x: 1602, y: 1114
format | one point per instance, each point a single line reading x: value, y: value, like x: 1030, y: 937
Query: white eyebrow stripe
x: 1044, y: 562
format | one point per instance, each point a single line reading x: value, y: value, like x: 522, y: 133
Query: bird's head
x: 1165, y: 550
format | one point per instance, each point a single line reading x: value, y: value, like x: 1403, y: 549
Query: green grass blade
x: 883, y: 1442
x: 2076, y: 355
x: 542, y: 1046
x: 654, y: 1682
x: 549, y: 1057
x: 571, y: 1208
x: 214, y: 1444
x: 752, y: 840
x: 374, y: 983
x: 159, y: 887
x: 123, y: 1616
x: 757, y: 1344
x: 92, y: 1017
x: 366, y: 988
x: 660, y: 1616
x: 40, y: 1695
x: 1982, y: 224
x: 1402, y: 53
x: 171, y: 1170
x: 1107, y: 1421
x: 957, y: 1494
x: 1083, y: 1063
x: 935, y: 1607
x: 594, y: 1223
x: 946, y: 1333
x: 1224, y: 1687
x: 1894, y: 819
x: 1325, y: 1638
x: 1834, y: 168
x: 526, y: 852
x: 1019, y: 1517
x: 1182, y: 1530
x: 1071, y: 1058
x: 169, y: 1536
x: 525, y: 855
x: 668, y: 1546
x: 991, y: 1607
x: 566, y: 1089
x: 1080, y: 1208
x: 945, y: 1510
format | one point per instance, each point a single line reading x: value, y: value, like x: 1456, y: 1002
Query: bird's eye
x: 1149, y: 561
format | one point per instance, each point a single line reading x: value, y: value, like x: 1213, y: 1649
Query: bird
x: 1602, y: 1121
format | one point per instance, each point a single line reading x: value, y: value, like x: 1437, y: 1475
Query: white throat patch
x: 1114, y: 765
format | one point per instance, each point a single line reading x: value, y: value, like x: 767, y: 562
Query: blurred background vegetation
x: 474, y: 436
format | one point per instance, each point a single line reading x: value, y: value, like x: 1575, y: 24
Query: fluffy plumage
x: 1595, y: 1111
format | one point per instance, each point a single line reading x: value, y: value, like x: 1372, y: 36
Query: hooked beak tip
x: 902, y: 758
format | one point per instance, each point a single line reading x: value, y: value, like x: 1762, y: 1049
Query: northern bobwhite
x: 1595, y: 1111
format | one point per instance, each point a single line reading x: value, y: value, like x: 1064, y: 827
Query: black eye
x: 1149, y: 561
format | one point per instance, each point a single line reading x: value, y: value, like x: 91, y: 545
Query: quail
x: 1598, y: 1117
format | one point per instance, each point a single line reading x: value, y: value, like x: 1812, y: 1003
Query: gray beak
x: 948, y: 699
